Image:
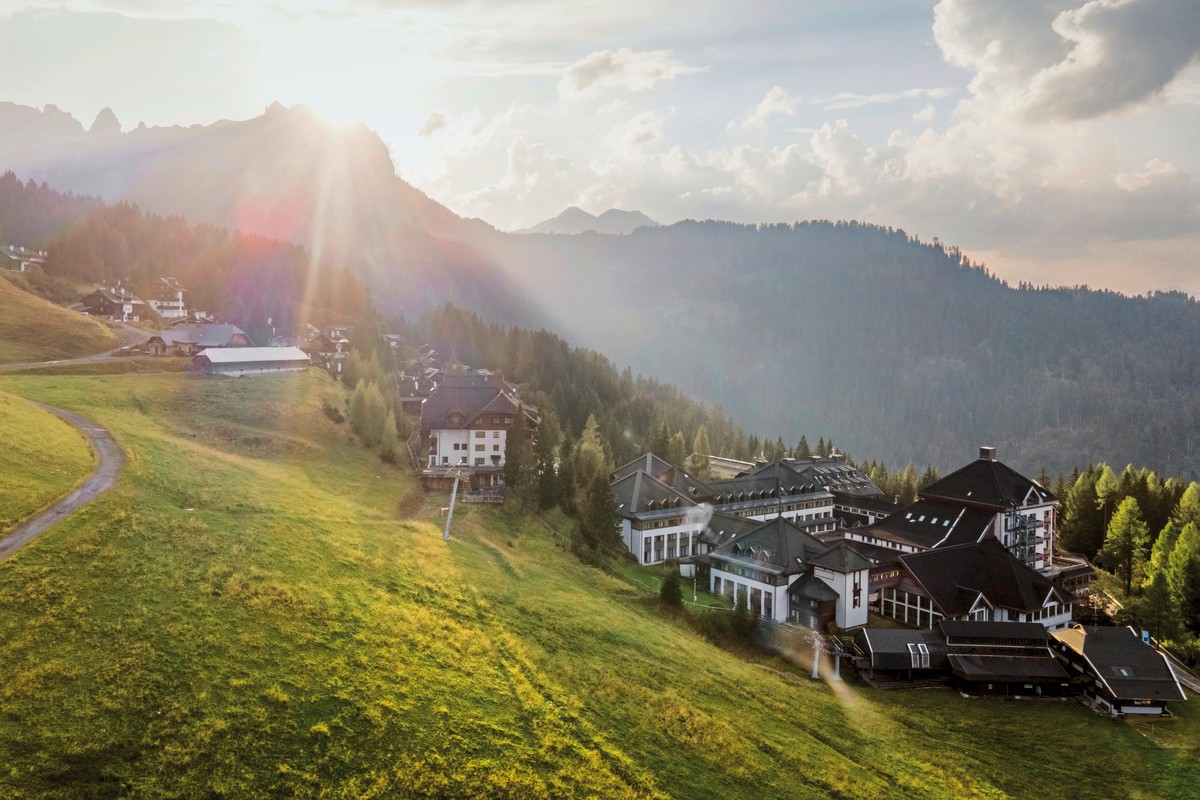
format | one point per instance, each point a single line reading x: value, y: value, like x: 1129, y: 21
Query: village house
x: 20, y: 259
x: 243, y: 361
x: 465, y: 424
x: 165, y: 297
x: 117, y: 304
x: 1118, y: 671
x: 188, y: 339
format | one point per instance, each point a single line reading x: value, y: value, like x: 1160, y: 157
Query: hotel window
x: 495, y: 434
x: 480, y: 434
x: 496, y: 448
x: 480, y: 447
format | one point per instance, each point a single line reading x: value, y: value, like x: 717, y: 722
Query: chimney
x: 987, y: 454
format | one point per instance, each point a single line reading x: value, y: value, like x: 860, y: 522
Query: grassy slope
x: 245, y: 616
x: 33, y: 329
x: 41, y: 459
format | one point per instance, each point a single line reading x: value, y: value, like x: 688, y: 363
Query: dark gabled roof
x: 987, y: 483
x: 887, y: 648
x: 776, y: 542
x: 467, y: 395
x: 926, y: 524
x: 813, y: 588
x: 201, y: 334
x: 841, y: 557
x: 1131, y: 670
x: 837, y: 476
x: 678, y: 479
x: 1004, y: 668
x: 955, y: 576
x: 863, y: 501
x: 119, y: 296
x: 1015, y: 634
x: 723, y: 528
x: 640, y: 493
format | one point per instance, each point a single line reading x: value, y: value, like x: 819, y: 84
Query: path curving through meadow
x: 111, y: 461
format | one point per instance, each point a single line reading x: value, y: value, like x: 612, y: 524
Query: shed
x: 240, y: 361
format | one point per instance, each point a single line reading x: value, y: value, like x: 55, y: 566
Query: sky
x: 1057, y: 141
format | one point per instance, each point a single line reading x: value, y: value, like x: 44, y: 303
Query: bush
x: 669, y: 593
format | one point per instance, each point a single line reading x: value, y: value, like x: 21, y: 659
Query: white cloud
x: 1069, y: 59
x: 925, y: 114
x: 777, y: 102
x: 622, y: 69
x: 852, y: 100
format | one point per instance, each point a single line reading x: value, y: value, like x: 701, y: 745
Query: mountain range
x: 575, y: 220
x: 893, y: 348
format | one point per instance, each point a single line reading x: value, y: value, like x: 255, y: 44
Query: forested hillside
x: 898, y: 348
x: 901, y: 350
x: 240, y: 278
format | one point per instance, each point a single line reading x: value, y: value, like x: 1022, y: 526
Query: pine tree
x: 1183, y: 574
x: 598, y: 515
x: 1160, y: 553
x: 1124, y: 551
x: 802, y: 450
x: 390, y: 448
x: 676, y: 450
x: 1082, y: 529
x: 670, y: 592
x: 929, y: 477
x: 822, y: 448
x: 660, y: 438
x: 1188, y: 509
x: 1107, y: 488
x: 698, y: 463
x: 1160, y: 611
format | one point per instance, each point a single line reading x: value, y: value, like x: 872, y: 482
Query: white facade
x: 467, y: 447
x: 657, y: 540
x: 169, y: 309
x: 793, y: 509
x: 852, y: 588
x: 747, y: 588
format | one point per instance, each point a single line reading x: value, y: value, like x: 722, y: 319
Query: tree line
x: 1146, y: 532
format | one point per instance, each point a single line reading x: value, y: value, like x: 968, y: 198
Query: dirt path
x: 126, y: 335
x: 111, y: 461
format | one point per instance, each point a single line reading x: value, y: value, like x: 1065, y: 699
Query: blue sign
x: 1145, y: 637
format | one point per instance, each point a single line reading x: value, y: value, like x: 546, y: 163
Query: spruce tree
x: 803, y: 451
x: 698, y: 463
x: 670, y: 592
x: 676, y: 450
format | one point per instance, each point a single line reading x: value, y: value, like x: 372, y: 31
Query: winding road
x: 111, y: 459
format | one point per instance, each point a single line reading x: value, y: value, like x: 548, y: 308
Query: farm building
x: 240, y: 361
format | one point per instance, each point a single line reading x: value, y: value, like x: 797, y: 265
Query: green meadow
x: 260, y: 608
x: 33, y: 329
x: 41, y: 459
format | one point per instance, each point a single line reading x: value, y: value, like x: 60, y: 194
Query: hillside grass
x: 245, y: 615
x: 33, y: 329
x: 41, y: 459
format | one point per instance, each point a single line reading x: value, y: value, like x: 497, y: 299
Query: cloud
x: 852, y: 100
x: 622, y: 69
x: 777, y: 102
x: 925, y: 114
x: 436, y: 122
x: 1069, y: 59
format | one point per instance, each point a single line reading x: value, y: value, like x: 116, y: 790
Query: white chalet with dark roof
x: 466, y: 422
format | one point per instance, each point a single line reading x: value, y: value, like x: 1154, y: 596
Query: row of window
x: 665, y: 548
x: 483, y: 434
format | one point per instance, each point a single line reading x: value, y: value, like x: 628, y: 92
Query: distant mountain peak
x: 575, y: 220
x: 106, y: 123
